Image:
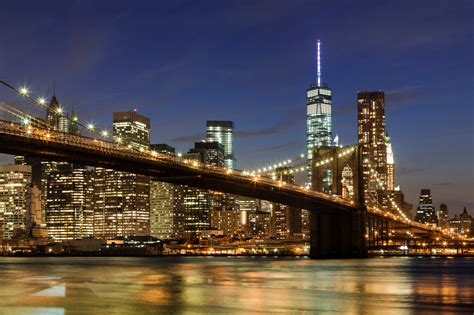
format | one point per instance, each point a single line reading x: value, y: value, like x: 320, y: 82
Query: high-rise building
x: 163, y: 197
x: 466, y: 223
x: 226, y: 220
x: 371, y: 135
x: 222, y: 132
x: 426, y: 212
x: 122, y: 199
x: 443, y: 216
x: 131, y: 128
x: 69, y: 212
x: 318, y: 116
x: 390, y: 164
x: 14, y: 183
x: 286, y: 221
x: 196, y: 204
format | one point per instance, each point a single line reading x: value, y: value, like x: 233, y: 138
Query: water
x: 189, y: 285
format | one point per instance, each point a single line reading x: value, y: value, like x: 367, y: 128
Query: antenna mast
x: 319, y: 63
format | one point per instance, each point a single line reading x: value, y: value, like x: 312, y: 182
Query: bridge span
x: 338, y: 225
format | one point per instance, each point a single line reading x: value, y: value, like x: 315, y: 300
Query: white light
x: 24, y: 90
x: 59, y: 110
x: 105, y: 133
x: 302, y: 155
x: 90, y: 126
x: 26, y: 121
x: 180, y: 154
x: 41, y: 100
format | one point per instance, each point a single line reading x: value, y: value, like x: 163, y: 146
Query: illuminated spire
x: 319, y: 63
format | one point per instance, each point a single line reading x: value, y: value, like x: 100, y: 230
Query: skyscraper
x: 69, y: 211
x: 122, y: 200
x: 222, y: 132
x: 443, y: 216
x: 390, y: 164
x: 371, y: 135
x: 318, y: 115
x: 132, y: 129
x: 426, y: 212
x: 14, y: 183
x: 196, y: 204
x: 286, y: 221
x: 164, y: 219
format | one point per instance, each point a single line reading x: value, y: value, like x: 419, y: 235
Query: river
x: 240, y: 285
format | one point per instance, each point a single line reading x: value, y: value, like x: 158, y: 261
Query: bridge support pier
x: 335, y: 234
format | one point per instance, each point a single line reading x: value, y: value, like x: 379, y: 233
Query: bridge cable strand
x: 24, y: 92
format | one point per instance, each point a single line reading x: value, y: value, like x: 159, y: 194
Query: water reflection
x: 234, y: 285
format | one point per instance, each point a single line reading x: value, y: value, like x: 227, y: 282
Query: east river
x: 240, y: 285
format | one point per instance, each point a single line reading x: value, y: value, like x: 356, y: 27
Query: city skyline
x: 412, y: 100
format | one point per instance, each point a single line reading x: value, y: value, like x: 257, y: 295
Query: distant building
x: 466, y: 223
x: 196, y: 204
x: 425, y: 212
x: 390, y: 164
x: 318, y: 117
x: 131, y: 128
x: 443, y: 216
x: 371, y: 137
x: 226, y: 220
x: 223, y: 133
x: 14, y: 183
x: 163, y: 197
x: 246, y: 205
x: 286, y: 220
x: 69, y: 211
x: 122, y: 199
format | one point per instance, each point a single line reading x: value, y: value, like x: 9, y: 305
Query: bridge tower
x: 336, y: 233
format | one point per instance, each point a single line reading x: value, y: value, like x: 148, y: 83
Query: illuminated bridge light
x: 24, y: 91
x: 41, y: 101
x: 105, y: 133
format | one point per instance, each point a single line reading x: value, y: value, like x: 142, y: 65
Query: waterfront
x: 126, y: 285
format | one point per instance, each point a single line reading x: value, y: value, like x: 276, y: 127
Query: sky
x: 184, y: 62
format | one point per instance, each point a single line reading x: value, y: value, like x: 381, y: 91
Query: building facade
x: 222, y: 132
x: 371, y: 138
x: 318, y: 116
x: 14, y: 183
x: 426, y: 212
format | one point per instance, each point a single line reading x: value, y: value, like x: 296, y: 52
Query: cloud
x: 401, y: 94
x: 290, y: 144
x: 442, y: 184
x: 407, y: 171
x: 452, y: 133
x: 277, y: 128
x: 190, y: 138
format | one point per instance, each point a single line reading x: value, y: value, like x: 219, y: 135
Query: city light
x: 41, y: 101
x: 24, y: 91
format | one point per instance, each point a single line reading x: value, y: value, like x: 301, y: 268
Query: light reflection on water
x: 70, y: 285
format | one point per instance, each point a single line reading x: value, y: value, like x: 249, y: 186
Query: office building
x: 318, y: 118
x: 196, y: 204
x: 122, y: 200
x: 69, y: 212
x: 390, y: 164
x: 163, y: 197
x: 14, y: 183
x: 443, y: 216
x: 131, y: 128
x: 371, y: 138
x: 223, y: 133
x: 426, y: 212
x: 286, y: 220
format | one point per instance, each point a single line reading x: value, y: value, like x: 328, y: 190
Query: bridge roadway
x: 58, y: 146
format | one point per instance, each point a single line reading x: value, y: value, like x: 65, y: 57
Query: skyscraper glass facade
x: 318, y: 118
x: 222, y: 132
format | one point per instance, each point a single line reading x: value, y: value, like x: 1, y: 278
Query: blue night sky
x: 184, y: 62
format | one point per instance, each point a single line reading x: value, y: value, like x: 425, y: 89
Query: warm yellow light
x: 59, y: 110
